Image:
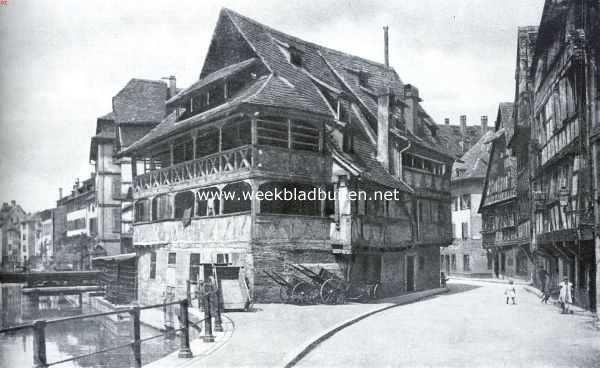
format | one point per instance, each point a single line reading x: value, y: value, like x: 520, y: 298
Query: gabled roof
x: 499, y: 141
x: 506, y: 119
x: 475, y: 161
x: 288, y: 86
x: 450, y: 137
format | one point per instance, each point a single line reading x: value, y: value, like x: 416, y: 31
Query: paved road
x: 470, y: 327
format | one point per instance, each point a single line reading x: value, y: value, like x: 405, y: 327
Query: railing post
x: 188, y: 291
x: 184, y: 348
x: 208, y: 335
x: 39, y: 344
x: 136, y: 344
x: 218, y: 320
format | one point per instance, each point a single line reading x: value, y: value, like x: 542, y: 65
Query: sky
x: 61, y: 62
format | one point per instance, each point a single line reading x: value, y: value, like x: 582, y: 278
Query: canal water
x: 73, y: 338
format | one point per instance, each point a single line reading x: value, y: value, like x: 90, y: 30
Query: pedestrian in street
x: 443, y: 280
x: 565, y: 296
x: 511, y: 292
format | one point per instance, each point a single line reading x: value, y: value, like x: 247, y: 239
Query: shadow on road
x: 456, y: 288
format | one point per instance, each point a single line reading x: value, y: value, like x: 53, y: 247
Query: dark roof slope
x: 140, y: 101
x: 473, y: 164
x: 450, y: 137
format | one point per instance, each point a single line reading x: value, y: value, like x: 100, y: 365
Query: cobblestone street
x: 471, y: 326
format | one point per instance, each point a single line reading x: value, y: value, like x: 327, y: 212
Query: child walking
x: 511, y: 292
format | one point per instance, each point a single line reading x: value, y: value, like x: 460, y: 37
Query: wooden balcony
x: 419, y: 179
x: 500, y: 196
x: 561, y: 139
x: 233, y: 160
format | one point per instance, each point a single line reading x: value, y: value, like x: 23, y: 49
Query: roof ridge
x: 148, y: 80
x: 299, y: 40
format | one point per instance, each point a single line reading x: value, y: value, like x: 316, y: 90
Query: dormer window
x: 295, y: 56
x: 363, y: 79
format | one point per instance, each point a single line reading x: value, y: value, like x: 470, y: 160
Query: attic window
x: 363, y: 79
x: 295, y: 56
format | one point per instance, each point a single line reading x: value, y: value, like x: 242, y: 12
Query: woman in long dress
x: 565, y: 297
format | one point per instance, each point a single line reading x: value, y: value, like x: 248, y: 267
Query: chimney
x: 172, y: 86
x: 59, y: 193
x: 447, y: 121
x: 411, y: 114
x: 463, y: 124
x: 383, y: 129
x: 386, y: 46
x: 484, y: 124
x: 13, y: 203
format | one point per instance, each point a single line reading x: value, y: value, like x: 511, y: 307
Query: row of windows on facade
x: 559, y: 107
x: 235, y: 198
x: 462, y: 202
x: 92, y: 224
x: 421, y: 163
x: 194, y: 265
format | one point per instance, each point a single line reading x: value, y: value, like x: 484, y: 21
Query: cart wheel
x: 330, y: 292
x: 285, y: 293
x: 301, y: 293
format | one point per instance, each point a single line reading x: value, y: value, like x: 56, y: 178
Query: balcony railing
x: 235, y: 159
x: 500, y: 196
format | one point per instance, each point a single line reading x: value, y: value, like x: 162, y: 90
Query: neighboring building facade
x: 11, y: 216
x: 499, y: 205
x: 465, y: 256
x: 565, y: 118
x: 137, y: 108
x: 31, y: 233
x: 75, y: 245
x: 45, y: 246
x: 286, y: 114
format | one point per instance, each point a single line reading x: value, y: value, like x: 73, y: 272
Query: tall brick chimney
x: 386, y: 46
x: 447, y: 121
x: 411, y: 114
x: 484, y: 124
x: 383, y: 129
x: 463, y: 124
x: 172, y: 86
x: 59, y: 193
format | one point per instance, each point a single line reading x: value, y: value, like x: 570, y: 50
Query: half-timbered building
x: 272, y: 113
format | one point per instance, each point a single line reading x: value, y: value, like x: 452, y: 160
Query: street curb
x: 490, y: 280
x: 312, y: 343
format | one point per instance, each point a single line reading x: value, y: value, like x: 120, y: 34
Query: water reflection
x: 73, y: 338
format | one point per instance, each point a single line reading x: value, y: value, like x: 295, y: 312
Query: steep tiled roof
x: 140, y: 101
x: 289, y: 86
x: 450, y: 137
x: 473, y: 164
